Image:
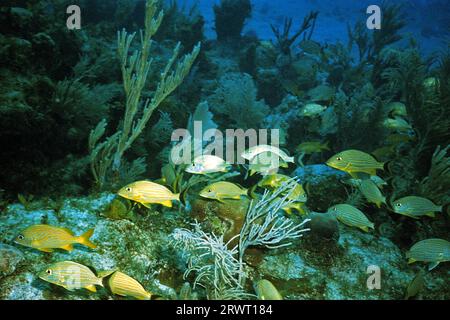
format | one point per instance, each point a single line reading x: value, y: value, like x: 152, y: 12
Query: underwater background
x: 92, y: 205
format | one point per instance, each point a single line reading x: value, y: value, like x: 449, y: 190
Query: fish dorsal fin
x: 91, y: 288
x: 68, y: 231
x: 105, y: 273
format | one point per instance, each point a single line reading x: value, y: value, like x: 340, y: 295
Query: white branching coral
x: 211, y: 260
x: 219, y: 268
x: 265, y: 226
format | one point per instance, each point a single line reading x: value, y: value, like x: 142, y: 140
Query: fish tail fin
x: 290, y: 159
x: 182, y: 195
x: 84, y: 239
x: 148, y: 296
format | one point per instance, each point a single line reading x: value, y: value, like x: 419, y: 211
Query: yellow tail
x: 84, y: 239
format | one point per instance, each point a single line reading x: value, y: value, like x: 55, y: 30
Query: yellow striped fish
x: 265, y: 290
x: 71, y: 276
x: 124, y: 285
x: 275, y: 181
x: 351, y: 216
x: 432, y: 250
x: 415, y: 207
x: 354, y: 161
x: 371, y: 192
x: 147, y: 192
x: 45, y: 238
x: 223, y: 190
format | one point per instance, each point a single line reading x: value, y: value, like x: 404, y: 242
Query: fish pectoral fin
x: 411, y: 260
x: 433, y: 265
x: 167, y: 203
x: 45, y: 249
x: 354, y: 175
x: 430, y: 214
x: 91, y: 288
x: 68, y: 247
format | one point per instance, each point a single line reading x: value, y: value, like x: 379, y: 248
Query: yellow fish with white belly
x: 124, y: 285
x: 45, y: 238
x: 223, y: 190
x: 355, y: 161
x: 147, y: 192
x: 71, y: 276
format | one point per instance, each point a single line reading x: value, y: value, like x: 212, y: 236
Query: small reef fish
x: 398, y: 124
x: 147, y: 192
x: 384, y: 152
x: 71, y: 276
x: 223, y: 190
x: 265, y: 290
x: 312, y: 147
x: 415, y: 207
x: 397, y: 138
x: 353, y: 161
x: 433, y: 251
x: 378, y: 181
x: 371, y: 192
x: 416, y: 285
x: 45, y: 238
x: 265, y: 164
x: 431, y: 83
x: 351, y: 216
x: 252, y: 152
x: 298, y: 205
x: 397, y: 109
x: 275, y: 181
x: 312, y: 110
x: 205, y: 164
x: 124, y: 285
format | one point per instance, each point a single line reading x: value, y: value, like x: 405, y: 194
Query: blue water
x: 427, y: 21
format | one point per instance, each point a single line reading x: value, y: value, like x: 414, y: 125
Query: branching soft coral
x: 135, y: 69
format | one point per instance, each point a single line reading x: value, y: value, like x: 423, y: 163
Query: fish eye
x: 209, y: 190
x: 20, y: 237
x: 398, y: 204
x: 128, y: 189
x: 48, y: 271
x: 339, y: 158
